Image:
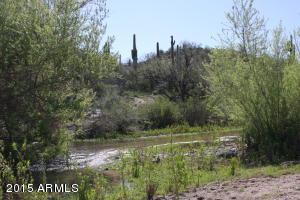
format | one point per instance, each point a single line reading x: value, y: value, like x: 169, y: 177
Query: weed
x: 135, y: 164
x: 233, y: 166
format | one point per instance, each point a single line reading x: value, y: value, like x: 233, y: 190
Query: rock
x: 94, y: 113
x: 156, y: 159
x: 72, y: 128
x: 227, y: 152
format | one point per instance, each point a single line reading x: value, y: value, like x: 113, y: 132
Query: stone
x: 226, y: 152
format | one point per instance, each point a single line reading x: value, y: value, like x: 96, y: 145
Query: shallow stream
x: 96, y: 154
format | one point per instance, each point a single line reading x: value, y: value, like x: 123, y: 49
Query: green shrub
x: 135, y: 164
x: 92, y: 186
x: 179, y: 172
x: 161, y: 113
x: 272, y: 131
x: 234, y: 164
x: 195, y: 111
x: 116, y: 116
x: 258, y: 85
x: 265, y: 103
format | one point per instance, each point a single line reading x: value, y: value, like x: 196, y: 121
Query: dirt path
x: 285, y: 187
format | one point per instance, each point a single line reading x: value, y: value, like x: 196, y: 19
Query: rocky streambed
x: 98, y: 154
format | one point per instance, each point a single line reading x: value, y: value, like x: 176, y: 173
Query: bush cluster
x: 161, y: 113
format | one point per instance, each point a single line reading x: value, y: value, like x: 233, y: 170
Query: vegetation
x: 177, y: 78
x: 49, y: 58
x: 177, y: 131
x: 162, y: 113
x: 254, y: 80
x: 181, y: 168
x: 59, y: 83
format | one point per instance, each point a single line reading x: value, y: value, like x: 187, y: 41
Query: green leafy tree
x: 255, y: 85
x: 50, y: 54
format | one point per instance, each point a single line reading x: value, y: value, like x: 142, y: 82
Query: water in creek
x: 87, y: 154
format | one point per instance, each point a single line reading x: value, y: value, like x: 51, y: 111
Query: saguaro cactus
x: 172, y: 49
x: 106, y: 47
x: 134, y: 53
x: 157, y: 50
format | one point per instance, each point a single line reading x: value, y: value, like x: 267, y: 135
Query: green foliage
x: 209, y: 162
x: 255, y: 92
x: 179, y: 131
x: 151, y: 180
x: 179, y: 175
x: 122, y: 169
x: 184, y: 129
x: 18, y: 175
x: 161, y: 113
x: 92, y: 187
x: 136, y: 162
x: 115, y: 115
x: 176, y: 79
x: 6, y: 174
x: 253, y: 86
x: 177, y: 170
x: 179, y: 80
x: 195, y: 111
x: 234, y: 164
x: 49, y: 58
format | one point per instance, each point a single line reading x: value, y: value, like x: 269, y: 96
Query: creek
x: 97, y: 154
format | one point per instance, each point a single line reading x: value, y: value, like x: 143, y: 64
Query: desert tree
x: 49, y: 53
x: 177, y: 81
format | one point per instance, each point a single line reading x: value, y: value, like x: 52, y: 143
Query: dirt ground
x: 285, y: 187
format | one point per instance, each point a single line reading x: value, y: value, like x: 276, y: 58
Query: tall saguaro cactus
x: 134, y: 53
x: 172, y: 49
x: 134, y: 61
x: 157, y: 50
x: 106, y: 48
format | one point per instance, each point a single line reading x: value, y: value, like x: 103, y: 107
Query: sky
x: 197, y: 21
